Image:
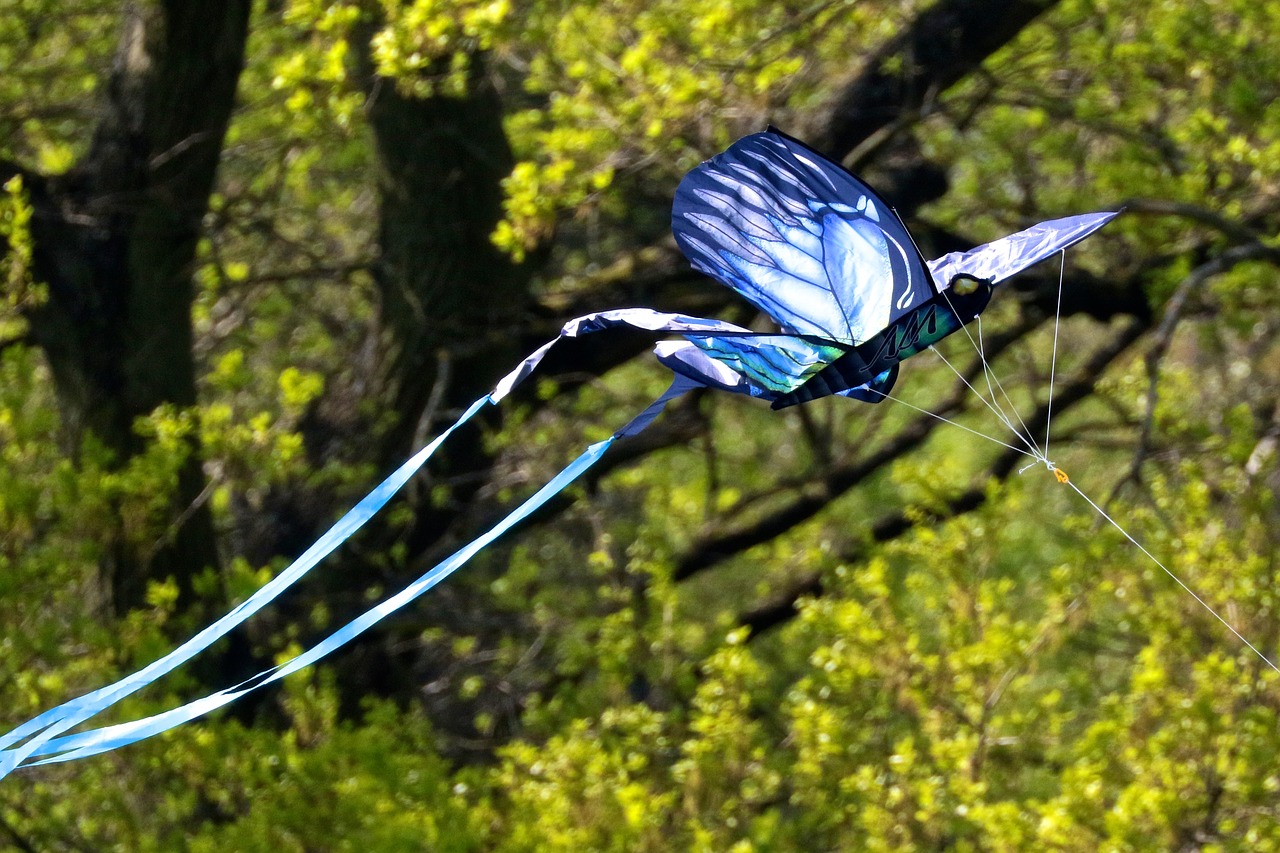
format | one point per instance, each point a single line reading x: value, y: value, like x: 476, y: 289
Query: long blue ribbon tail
x: 95, y: 741
x: 56, y: 720
x: 40, y: 735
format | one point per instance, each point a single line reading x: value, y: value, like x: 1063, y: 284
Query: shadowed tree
x: 115, y: 241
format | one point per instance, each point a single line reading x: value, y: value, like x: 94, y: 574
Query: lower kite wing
x: 764, y: 366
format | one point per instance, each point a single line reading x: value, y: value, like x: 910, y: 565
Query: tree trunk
x: 449, y: 298
x: 115, y: 240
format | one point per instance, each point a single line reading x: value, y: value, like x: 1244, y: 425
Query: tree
x: 276, y: 247
x: 114, y: 240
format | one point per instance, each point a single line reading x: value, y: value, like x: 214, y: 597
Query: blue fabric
x: 775, y: 363
x: 801, y: 238
x: 31, y: 737
x: 1000, y: 259
x: 679, y: 385
x: 642, y: 319
x: 812, y: 246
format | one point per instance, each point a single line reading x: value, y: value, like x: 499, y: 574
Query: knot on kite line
x: 1057, y: 472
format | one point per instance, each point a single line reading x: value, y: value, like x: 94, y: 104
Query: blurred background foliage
x: 840, y: 628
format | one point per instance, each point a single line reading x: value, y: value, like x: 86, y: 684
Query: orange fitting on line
x: 1061, y: 475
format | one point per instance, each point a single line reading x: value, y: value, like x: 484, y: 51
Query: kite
x: 812, y: 246
x: 798, y: 236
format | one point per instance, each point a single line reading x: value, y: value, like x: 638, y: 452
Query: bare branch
x: 1175, y: 308
x: 941, y: 47
x: 889, y: 527
x: 715, y: 547
x: 1238, y: 232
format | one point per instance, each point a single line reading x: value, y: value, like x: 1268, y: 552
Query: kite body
x: 801, y: 238
x: 872, y: 366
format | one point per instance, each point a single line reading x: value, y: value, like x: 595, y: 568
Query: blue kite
x: 802, y: 239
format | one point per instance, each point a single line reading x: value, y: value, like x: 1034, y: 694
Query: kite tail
x: 95, y: 741
x: 42, y: 735
x: 56, y: 720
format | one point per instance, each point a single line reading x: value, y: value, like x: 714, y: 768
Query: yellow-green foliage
x: 1020, y: 678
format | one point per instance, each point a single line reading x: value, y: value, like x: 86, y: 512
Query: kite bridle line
x: 1040, y: 456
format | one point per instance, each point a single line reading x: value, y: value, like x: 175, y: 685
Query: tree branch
x: 779, y: 611
x: 713, y: 548
x: 1237, y: 231
x: 942, y: 46
x: 1173, y: 313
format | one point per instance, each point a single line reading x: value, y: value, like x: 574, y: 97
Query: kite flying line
x: 1041, y: 456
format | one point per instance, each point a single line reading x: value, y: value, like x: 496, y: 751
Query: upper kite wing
x: 801, y: 238
x: 1000, y: 259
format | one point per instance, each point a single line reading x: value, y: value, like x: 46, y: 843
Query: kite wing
x: 1000, y: 259
x: 764, y: 366
x: 801, y: 238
